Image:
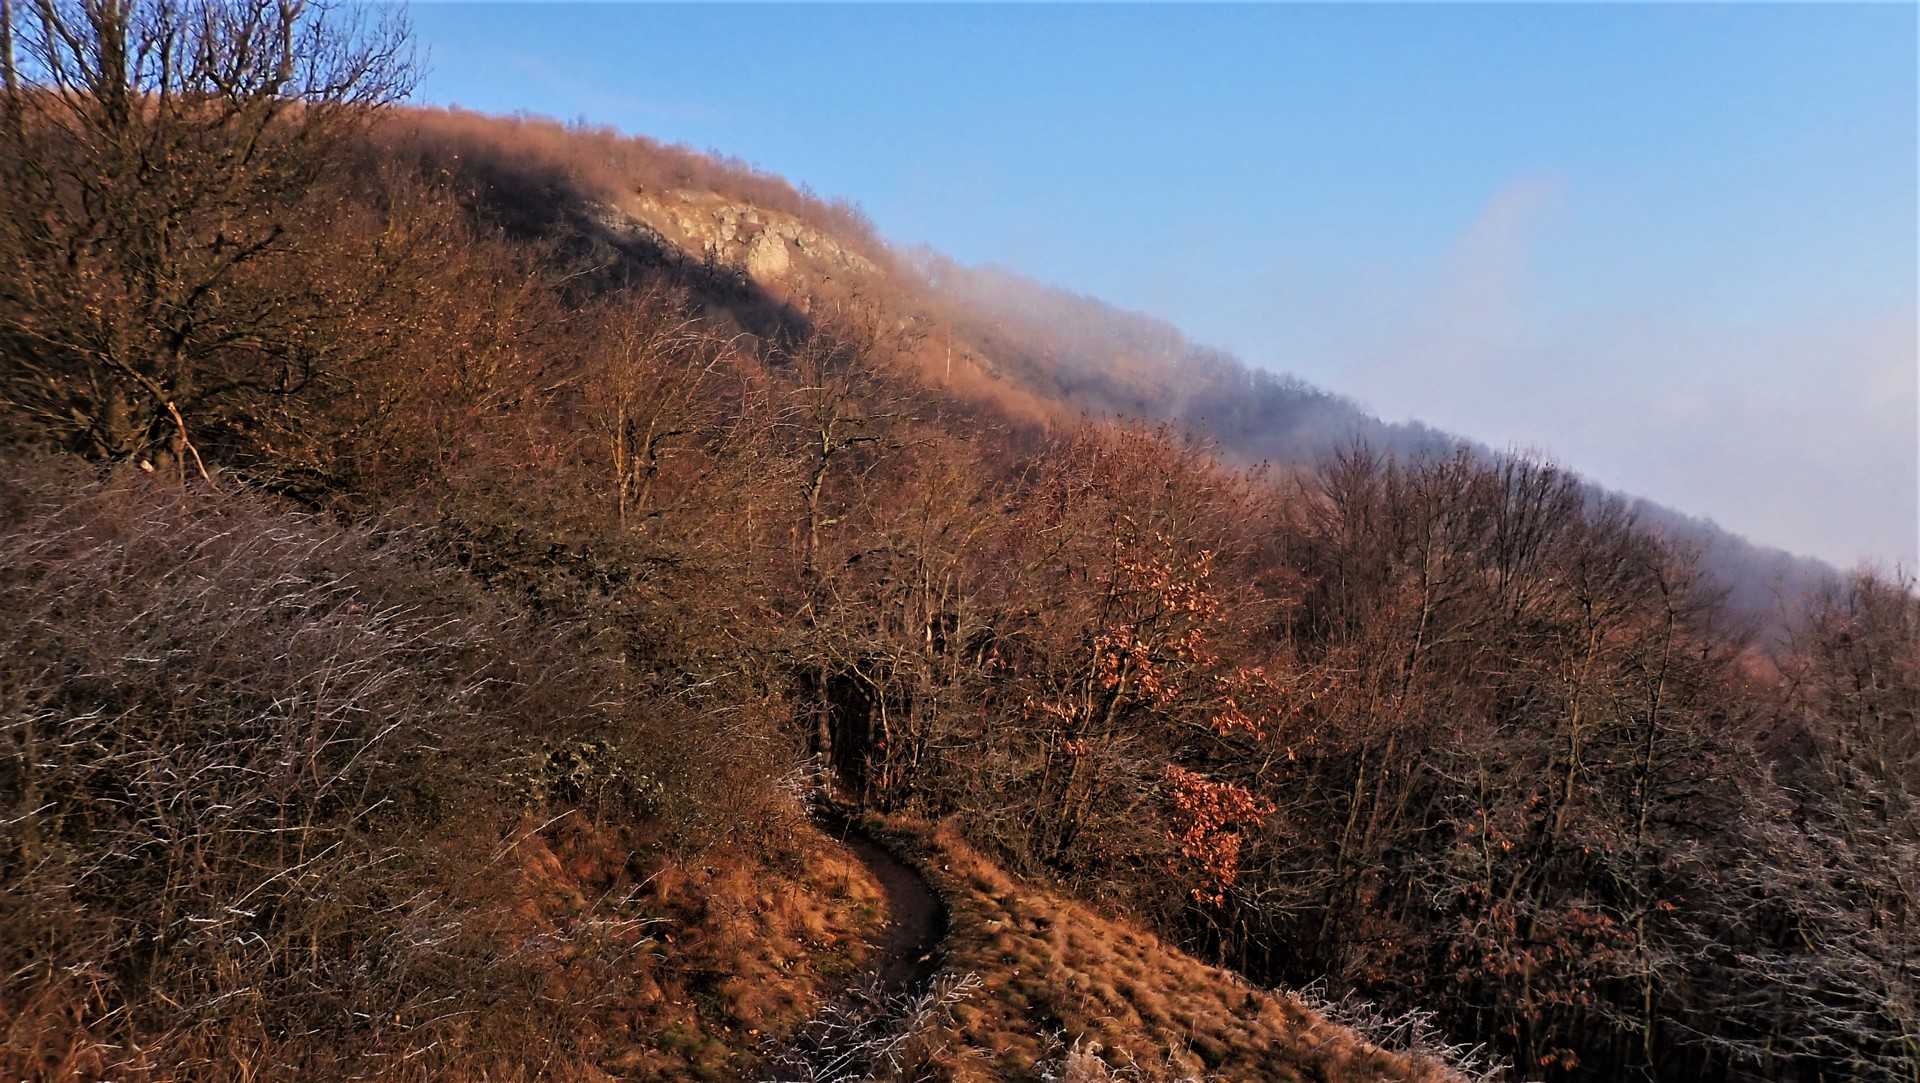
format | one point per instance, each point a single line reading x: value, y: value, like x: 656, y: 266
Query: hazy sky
x: 1674, y: 247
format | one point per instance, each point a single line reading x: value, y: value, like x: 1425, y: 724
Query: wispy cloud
x: 1796, y: 428
x: 1467, y: 325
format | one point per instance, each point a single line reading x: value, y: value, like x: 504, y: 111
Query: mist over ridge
x: 1130, y: 364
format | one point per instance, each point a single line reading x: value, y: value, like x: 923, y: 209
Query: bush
x: 224, y: 746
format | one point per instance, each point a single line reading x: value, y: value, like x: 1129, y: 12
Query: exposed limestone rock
x: 767, y: 256
x: 767, y: 245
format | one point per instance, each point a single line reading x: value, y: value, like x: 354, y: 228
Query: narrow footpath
x: 916, y: 917
x: 858, y: 1030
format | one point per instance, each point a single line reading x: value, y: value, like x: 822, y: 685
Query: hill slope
x: 1067, y: 989
x: 1034, y: 352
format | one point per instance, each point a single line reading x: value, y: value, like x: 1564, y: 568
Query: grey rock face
x: 767, y: 256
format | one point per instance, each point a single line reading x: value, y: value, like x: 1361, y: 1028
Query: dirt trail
x: 916, y: 916
x: 858, y: 1030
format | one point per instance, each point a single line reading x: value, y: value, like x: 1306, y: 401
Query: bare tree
x: 159, y: 155
x: 652, y: 391
x: 1826, y: 886
x: 843, y: 399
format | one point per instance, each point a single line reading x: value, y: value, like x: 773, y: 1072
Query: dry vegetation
x: 1068, y: 992
x: 718, y: 953
x: 576, y: 161
x: 288, y: 799
x: 421, y: 606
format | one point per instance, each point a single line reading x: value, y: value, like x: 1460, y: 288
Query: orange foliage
x: 1211, y: 815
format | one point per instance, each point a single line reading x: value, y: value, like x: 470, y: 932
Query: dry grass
x: 254, y: 824
x: 718, y: 956
x: 1069, y: 993
x: 872, y: 1034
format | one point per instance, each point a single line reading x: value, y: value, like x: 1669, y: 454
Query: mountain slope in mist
x: 763, y: 253
x: 1111, y: 360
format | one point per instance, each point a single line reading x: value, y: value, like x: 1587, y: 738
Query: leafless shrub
x: 1083, y: 1062
x: 1413, y: 1033
x: 222, y: 722
x: 871, y: 1034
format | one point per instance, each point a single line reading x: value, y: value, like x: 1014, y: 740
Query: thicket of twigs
x: 226, y: 728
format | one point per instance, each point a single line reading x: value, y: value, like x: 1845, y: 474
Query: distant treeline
x: 1126, y: 364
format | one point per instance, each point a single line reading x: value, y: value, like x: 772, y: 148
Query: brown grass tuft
x: 1068, y: 993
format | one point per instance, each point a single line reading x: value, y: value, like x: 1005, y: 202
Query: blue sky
x: 1672, y: 246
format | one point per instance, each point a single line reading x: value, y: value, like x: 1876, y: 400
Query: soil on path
x: 903, y: 959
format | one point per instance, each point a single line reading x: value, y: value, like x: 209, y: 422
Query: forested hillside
x: 446, y: 557
x: 1032, y: 352
x: 1128, y: 365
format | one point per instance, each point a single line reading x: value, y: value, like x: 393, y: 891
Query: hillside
x: 455, y: 567
x: 1065, y: 989
x: 1036, y: 353
x: 563, y: 917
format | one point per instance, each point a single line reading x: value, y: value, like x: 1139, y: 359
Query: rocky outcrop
x: 771, y: 247
x: 767, y: 256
